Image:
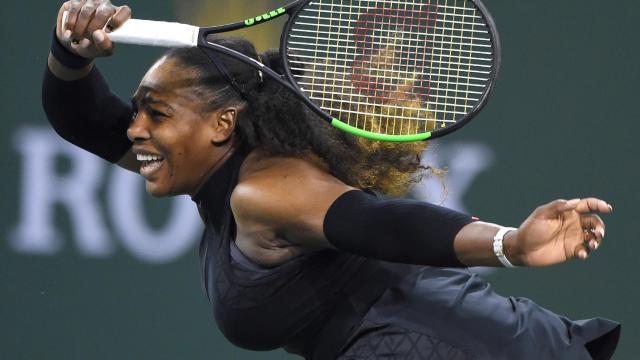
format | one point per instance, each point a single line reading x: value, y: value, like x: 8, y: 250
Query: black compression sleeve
x: 86, y: 113
x: 398, y: 230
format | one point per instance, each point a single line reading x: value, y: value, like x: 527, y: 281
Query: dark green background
x: 562, y: 123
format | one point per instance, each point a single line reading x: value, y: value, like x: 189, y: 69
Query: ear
x: 224, y: 123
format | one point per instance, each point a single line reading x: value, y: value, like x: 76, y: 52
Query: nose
x: 138, y: 129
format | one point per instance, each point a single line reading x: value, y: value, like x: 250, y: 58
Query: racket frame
x: 256, y: 20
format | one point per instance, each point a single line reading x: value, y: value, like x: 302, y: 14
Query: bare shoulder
x: 287, y: 178
x: 287, y: 197
x: 262, y: 167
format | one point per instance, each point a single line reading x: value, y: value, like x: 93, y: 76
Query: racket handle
x: 153, y: 33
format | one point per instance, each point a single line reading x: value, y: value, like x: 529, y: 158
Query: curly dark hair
x: 274, y: 120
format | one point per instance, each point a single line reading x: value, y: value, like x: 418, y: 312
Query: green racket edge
x: 376, y: 136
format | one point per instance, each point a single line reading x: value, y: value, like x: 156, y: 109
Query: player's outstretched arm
x: 311, y: 208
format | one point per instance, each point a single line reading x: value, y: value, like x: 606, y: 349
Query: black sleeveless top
x: 308, y: 305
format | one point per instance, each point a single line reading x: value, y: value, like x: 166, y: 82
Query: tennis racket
x: 391, y: 70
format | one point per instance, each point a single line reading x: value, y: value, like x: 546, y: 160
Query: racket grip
x: 153, y: 33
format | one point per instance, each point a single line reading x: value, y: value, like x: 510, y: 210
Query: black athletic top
x: 334, y: 305
x: 308, y: 305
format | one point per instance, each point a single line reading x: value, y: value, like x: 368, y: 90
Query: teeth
x: 142, y: 157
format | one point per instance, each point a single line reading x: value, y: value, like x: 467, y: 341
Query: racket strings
x: 392, y: 67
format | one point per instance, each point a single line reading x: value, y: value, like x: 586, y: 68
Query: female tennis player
x: 299, y: 252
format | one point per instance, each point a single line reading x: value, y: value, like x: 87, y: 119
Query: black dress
x: 332, y: 304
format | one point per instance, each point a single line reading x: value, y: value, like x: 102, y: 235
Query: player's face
x: 173, y: 137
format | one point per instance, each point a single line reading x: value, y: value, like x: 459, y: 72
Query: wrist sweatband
x: 397, y: 230
x: 66, y: 57
x: 87, y: 114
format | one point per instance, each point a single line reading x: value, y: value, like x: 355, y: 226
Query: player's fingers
x: 588, y: 205
x: 102, y: 42
x: 123, y: 13
x: 73, y: 8
x: 592, y: 239
x: 581, y: 251
x: 85, y: 15
x: 102, y: 14
x: 593, y: 227
x: 60, y: 19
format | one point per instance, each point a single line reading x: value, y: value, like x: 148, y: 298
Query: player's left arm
x: 312, y: 209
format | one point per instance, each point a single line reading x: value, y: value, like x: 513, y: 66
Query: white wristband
x: 497, y: 246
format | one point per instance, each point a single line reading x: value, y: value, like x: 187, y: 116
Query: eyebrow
x: 143, y: 96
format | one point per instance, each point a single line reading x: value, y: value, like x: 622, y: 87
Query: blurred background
x: 93, y: 268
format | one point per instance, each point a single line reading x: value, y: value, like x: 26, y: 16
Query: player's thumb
x: 102, y: 42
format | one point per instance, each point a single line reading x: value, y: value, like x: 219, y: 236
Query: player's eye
x: 157, y: 114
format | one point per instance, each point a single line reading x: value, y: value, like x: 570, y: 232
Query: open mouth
x: 150, y: 164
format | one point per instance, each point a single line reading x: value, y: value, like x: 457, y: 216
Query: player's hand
x: 86, y: 29
x: 560, y: 231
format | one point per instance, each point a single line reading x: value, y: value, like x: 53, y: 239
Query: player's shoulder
x: 278, y: 185
x: 260, y: 169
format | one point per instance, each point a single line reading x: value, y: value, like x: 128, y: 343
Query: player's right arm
x: 75, y: 97
x: 84, y: 33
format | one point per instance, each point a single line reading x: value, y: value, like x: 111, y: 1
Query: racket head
x: 395, y: 70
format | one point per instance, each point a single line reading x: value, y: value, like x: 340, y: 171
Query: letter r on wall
x: 42, y: 188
